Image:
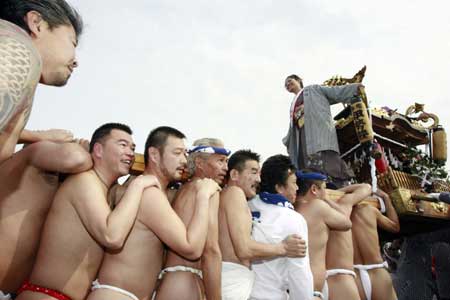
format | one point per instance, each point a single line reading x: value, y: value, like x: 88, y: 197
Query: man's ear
x: 279, y: 188
x: 234, y: 174
x: 35, y: 23
x: 153, y: 154
x: 97, y: 150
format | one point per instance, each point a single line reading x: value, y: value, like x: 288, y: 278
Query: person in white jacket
x: 275, y: 218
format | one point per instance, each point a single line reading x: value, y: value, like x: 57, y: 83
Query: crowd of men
x: 199, y: 223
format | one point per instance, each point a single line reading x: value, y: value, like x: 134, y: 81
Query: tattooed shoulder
x: 20, y: 69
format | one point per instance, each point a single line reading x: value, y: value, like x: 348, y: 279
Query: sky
x: 217, y: 68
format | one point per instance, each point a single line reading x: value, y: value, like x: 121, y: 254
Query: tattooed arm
x: 20, y: 69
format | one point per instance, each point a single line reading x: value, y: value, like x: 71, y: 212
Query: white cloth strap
x: 381, y: 202
x: 318, y: 294
x: 180, y: 269
x: 365, y: 278
x: 96, y: 285
x: 333, y: 272
x: 5, y: 296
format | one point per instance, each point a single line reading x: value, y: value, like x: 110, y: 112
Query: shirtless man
x: 29, y: 181
x: 80, y: 221
x: 374, y: 281
x: 37, y: 44
x: 340, y: 275
x: 235, y: 226
x: 132, y: 272
x: 322, y: 216
x: 207, y: 159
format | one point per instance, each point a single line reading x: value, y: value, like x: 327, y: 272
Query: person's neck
x: 306, y: 198
x: 104, y: 176
x: 199, y: 175
x: 163, y: 180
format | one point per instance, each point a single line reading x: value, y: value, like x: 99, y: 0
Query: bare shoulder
x: 232, y: 193
x: 232, y: 197
x: 153, y: 195
x: 16, y: 44
x: 82, y: 183
x: 20, y: 70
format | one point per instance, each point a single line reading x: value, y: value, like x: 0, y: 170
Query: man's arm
x: 56, y: 157
x: 334, y: 216
x: 390, y: 221
x: 212, y: 256
x: 300, y: 278
x: 54, y: 135
x: 354, y: 194
x: 157, y: 213
x: 109, y: 228
x: 340, y: 93
x: 239, y: 227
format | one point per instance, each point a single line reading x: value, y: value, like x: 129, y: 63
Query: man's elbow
x: 212, y: 250
x: 113, y: 242
x: 396, y: 227
x: 244, y: 254
x: 76, y: 159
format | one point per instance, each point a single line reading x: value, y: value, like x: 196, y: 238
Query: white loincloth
x: 180, y: 269
x: 325, y: 290
x: 365, y: 278
x: 237, y: 281
x: 5, y: 296
x: 333, y: 272
x: 318, y: 294
x: 96, y: 285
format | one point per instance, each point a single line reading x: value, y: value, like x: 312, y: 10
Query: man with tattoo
x: 201, y: 277
x: 132, y: 272
x: 37, y: 44
x: 235, y: 227
x: 80, y: 222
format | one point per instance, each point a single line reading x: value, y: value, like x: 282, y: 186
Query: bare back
x: 20, y: 71
x: 68, y: 257
x: 25, y: 198
x: 184, y: 206
x: 225, y: 214
x: 318, y: 233
x: 365, y: 235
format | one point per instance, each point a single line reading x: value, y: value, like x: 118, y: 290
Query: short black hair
x: 239, y: 158
x: 275, y: 170
x: 54, y: 12
x: 158, y: 137
x: 105, y: 130
x: 305, y: 184
x: 296, y: 78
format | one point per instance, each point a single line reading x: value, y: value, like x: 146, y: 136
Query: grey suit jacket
x: 320, y: 133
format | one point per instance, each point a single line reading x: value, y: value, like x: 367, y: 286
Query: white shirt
x: 274, y: 277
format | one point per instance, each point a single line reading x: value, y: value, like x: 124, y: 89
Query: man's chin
x: 58, y: 81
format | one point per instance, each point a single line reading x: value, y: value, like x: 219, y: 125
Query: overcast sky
x: 217, y: 68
